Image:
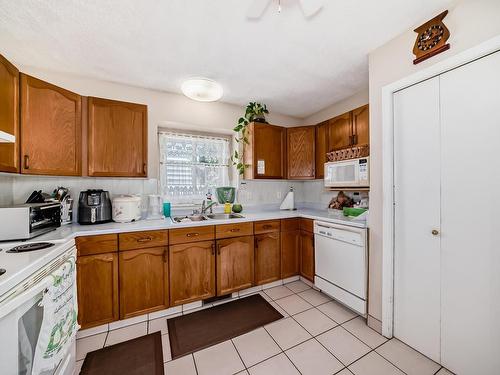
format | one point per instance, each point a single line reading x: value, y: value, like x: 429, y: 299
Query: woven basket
x: 349, y: 153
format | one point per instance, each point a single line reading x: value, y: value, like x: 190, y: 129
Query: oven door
x: 20, y: 323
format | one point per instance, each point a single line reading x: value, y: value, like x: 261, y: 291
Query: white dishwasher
x: 341, y: 263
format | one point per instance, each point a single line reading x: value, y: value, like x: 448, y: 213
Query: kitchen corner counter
x: 68, y: 232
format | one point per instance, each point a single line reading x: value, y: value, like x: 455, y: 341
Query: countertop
x: 21, y: 266
x: 75, y: 230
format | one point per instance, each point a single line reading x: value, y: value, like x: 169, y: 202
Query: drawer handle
x: 194, y: 234
x: 145, y: 239
x: 267, y: 226
x: 235, y: 230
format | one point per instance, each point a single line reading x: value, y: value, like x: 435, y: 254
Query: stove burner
x: 30, y: 247
x: 2, y: 271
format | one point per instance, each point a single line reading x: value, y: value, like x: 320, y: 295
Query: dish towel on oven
x: 59, y: 324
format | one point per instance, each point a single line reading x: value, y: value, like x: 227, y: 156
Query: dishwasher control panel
x: 342, y: 233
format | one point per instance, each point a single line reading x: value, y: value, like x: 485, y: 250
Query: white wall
x: 355, y: 101
x: 163, y: 108
x: 470, y: 22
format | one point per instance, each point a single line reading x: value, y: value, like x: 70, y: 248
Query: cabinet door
x: 51, y: 129
x: 9, y: 115
x: 307, y: 255
x: 192, y: 272
x: 340, y: 132
x: 321, y: 148
x: 361, y: 125
x: 290, y: 251
x: 117, y: 138
x: 267, y: 258
x: 301, y: 162
x: 235, y: 264
x: 97, y: 283
x: 143, y: 281
x: 266, y: 152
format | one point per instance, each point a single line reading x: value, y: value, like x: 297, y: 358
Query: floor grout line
x: 283, y: 351
x: 239, y: 355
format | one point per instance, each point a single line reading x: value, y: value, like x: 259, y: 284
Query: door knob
x: 435, y: 232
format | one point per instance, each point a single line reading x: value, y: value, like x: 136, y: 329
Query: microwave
x: 348, y: 173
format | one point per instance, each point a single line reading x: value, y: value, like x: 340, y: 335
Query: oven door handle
x: 16, y: 300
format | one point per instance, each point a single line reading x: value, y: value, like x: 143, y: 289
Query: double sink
x: 183, y: 219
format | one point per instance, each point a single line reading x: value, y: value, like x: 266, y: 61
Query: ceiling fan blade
x: 257, y: 8
x: 310, y: 7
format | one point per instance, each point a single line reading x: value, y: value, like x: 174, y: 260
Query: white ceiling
x: 296, y: 66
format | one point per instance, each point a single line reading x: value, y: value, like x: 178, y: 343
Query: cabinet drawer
x: 288, y: 225
x: 233, y: 230
x: 192, y: 234
x: 90, y: 245
x: 266, y: 226
x: 307, y: 225
x: 141, y: 240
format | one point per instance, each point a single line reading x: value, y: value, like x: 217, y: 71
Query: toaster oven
x: 25, y: 221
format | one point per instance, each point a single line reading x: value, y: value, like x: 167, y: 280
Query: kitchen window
x: 191, y: 165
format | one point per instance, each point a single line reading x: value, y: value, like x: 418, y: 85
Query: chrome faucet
x: 207, y: 206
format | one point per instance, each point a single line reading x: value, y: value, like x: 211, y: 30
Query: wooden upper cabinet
x: 51, y: 129
x: 321, y: 148
x: 235, y: 264
x: 266, y: 152
x: 361, y: 125
x: 301, y: 162
x: 9, y: 115
x: 340, y: 132
x: 267, y: 258
x: 143, y: 281
x: 117, y: 138
x: 97, y: 283
x: 192, y: 272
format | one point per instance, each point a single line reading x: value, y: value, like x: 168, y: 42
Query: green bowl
x: 237, y: 208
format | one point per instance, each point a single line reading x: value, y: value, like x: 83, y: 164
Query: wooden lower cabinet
x: 235, y: 264
x: 192, y: 272
x: 97, y: 281
x: 143, y: 281
x: 267, y: 258
x: 307, y: 255
x: 290, y: 252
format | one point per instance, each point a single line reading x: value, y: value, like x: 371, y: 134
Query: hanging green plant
x: 254, y: 112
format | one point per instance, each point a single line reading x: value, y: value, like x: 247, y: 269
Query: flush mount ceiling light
x: 202, y: 89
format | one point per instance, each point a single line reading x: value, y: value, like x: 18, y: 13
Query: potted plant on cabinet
x: 254, y: 112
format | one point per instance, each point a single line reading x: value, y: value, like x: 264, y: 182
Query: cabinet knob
x: 435, y: 232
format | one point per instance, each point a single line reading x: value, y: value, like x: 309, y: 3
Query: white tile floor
x: 316, y: 336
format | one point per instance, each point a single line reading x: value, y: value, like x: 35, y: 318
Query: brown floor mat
x: 140, y: 356
x: 201, y: 329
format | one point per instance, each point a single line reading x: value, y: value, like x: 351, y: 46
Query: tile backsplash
x: 16, y: 189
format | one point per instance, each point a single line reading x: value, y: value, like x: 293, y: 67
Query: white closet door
x: 417, y: 214
x: 470, y: 120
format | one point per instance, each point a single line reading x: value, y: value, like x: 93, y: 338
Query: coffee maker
x: 94, y: 207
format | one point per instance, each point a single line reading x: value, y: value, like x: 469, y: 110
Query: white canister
x: 126, y: 208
